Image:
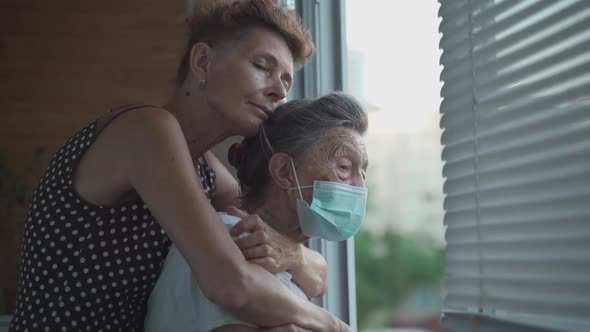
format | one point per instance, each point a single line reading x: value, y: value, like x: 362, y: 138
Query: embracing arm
x: 244, y: 328
x: 161, y: 172
x: 308, y: 268
x: 312, y: 273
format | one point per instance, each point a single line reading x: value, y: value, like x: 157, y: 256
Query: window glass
x: 393, y: 69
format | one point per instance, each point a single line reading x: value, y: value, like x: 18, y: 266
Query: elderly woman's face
x: 339, y: 156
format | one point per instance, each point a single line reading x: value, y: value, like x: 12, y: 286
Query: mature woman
x: 122, y: 189
x: 304, y: 174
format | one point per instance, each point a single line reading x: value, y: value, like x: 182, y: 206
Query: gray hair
x: 292, y: 128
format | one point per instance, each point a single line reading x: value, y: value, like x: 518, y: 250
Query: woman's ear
x: 200, y: 60
x: 280, y: 170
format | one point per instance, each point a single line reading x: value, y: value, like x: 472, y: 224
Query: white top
x: 177, y: 304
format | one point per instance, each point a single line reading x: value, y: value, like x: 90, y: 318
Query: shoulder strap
x: 107, y: 118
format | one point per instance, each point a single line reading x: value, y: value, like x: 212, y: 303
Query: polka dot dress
x: 86, y: 267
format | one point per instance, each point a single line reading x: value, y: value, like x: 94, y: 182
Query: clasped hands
x: 264, y: 246
x: 272, y: 251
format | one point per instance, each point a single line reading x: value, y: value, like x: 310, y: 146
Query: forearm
x: 311, y: 275
x: 268, y: 303
x: 234, y: 328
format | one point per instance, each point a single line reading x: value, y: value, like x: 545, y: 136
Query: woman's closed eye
x: 259, y: 66
x: 262, y: 67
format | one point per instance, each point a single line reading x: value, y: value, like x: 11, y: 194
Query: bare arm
x: 244, y: 328
x: 309, y: 268
x: 158, y: 165
x: 227, y: 189
x: 234, y: 328
x: 277, y: 253
x: 311, y: 274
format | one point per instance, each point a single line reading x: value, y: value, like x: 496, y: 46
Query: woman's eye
x: 259, y: 66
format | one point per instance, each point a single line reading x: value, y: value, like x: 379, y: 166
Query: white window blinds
x: 516, y: 120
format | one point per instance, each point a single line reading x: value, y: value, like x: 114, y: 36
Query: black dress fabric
x: 85, y: 267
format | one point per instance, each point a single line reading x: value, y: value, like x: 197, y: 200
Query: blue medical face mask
x: 337, y: 210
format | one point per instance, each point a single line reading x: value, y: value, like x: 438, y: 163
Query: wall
x: 64, y: 62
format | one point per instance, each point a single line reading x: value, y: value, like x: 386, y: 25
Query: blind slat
x: 516, y: 121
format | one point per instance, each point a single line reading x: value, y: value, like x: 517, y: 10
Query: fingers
x: 267, y: 263
x: 249, y: 224
x: 263, y: 250
x: 288, y: 328
x: 234, y: 211
x: 252, y: 240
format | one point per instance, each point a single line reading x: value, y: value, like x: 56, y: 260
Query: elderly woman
x: 304, y: 175
x: 125, y: 187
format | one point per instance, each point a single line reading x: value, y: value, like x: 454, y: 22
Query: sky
x: 399, y: 39
x: 400, y: 81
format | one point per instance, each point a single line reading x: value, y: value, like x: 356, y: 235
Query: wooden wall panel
x: 64, y: 62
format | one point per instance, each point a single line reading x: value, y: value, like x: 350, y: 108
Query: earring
x: 202, y: 84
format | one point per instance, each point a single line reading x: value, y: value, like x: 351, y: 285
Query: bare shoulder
x: 148, y: 119
x: 102, y: 175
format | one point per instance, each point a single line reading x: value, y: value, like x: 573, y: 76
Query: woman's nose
x: 278, y: 92
x: 358, y: 180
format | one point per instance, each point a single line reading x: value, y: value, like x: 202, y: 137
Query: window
x: 516, y: 126
x: 413, y: 137
x: 396, y: 75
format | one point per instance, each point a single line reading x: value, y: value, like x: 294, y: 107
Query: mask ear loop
x: 296, y: 179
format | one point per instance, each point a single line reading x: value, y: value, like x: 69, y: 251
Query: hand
x: 343, y: 327
x: 263, y: 245
x: 287, y: 328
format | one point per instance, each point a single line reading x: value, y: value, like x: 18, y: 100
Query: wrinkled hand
x: 263, y: 245
x: 287, y: 328
x: 342, y: 327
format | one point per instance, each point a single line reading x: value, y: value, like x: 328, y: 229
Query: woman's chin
x: 251, y: 129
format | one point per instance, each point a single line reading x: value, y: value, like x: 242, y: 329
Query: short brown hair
x: 216, y: 21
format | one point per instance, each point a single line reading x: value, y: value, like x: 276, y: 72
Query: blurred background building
x: 393, y: 70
